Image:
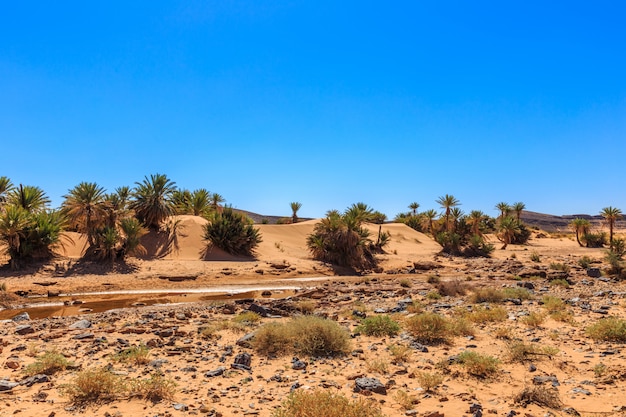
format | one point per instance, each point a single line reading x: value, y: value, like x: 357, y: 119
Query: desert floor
x: 587, y: 376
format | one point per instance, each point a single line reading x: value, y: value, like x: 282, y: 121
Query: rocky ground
x: 216, y: 372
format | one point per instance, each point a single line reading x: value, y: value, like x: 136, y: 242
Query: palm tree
x: 414, y: 206
x: 504, y: 209
x: 295, y: 206
x: 475, y: 219
x: 447, y: 202
x: 5, y: 187
x: 456, y: 214
x: 518, y: 208
x: 200, y: 202
x: 358, y: 213
x: 507, y: 228
x: 580, y: 227
x: 133, y: 231
x: 84, y: 208
x: 611, y: 215
x: 152, y: 200
x: 14, y: 224
x: 30, y: 198
x: 429, y: 219
x: 216, y: 200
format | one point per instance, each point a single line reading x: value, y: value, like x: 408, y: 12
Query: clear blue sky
x: 323, y: 102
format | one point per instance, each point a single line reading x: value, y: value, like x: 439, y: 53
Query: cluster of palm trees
x: 582, y: 229
x: 28, y: 227
x: 341, y: 238
x: 464, y: 234
x: 113, y: 223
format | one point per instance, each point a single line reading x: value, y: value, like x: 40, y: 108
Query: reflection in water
x: 100, y: 303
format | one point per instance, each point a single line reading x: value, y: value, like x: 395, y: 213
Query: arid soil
x: 586, y: 376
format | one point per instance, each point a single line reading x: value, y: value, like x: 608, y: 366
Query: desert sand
x: 588, y: 376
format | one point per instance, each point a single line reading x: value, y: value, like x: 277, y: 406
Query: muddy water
x: 77, y: 304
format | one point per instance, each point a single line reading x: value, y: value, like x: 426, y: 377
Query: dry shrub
x: 137, y: 355
x: 520, y: 351
x: 247, y: 318
x: 405, y: 400
x: 380, y: 366
x: 483, y: 315
x: 155, y: 389
x: 430, y: 328
x: 609, y: 329
x: 49, y: 363
x: 305, y: 335
x: 540, y: 396
x: 533, y: 319
x: 400, y: 353
x: 479, y: 365
x: 322, y: 403
x: 517, y: 292
x: 451, y: 288
x: 487, y: 295
x: 428, y: 381
x: 305, y: 306
x: 382, y: 325
x: 93, y: 386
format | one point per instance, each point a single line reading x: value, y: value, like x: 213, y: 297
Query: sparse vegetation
x: 323, y: 403
x: 48, y: 363
x: 610, y: 329
x: 155, y: 389
x: 382, y: 325
x: 93, y: 386
x: 429, y: 381
x: 136, y: 355
x: 539, y: 395
x: 305, y: 335
x: 430, y: 328
x: 478, y: 364
x: 520, y: 352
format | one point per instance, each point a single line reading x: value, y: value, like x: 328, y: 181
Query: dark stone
x: 359, y: 314
x: 83, y: 336
x: 540, y: 380
x: 594, y: 272
x: 7, y: 385
x: 35, y: 379
x: 298, y: 365
x: 24, y: 329
x: 81, y: 324
x: 216, y: 372
x: 260, y: 310
x: 21, y: 317
x: 242, y: 361
x: 244, y: 341
x: 369, y: 384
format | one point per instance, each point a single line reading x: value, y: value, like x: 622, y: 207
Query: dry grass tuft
x: 540, y: 396
x: 93, y: 386
x: 305, y: 335
x: 49, y: 363
x: 156, y: 388
x: 320, y: 403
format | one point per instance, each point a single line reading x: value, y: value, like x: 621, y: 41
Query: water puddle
x: 97, y: 302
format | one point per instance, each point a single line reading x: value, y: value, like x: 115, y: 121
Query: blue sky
x: 323, y: 102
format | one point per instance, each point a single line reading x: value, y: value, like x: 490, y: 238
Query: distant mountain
x: 551, y: 223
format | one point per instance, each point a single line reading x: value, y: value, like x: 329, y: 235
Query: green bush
x: 232, y: 232
x: 379, y: 326
x: 594, y: 240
